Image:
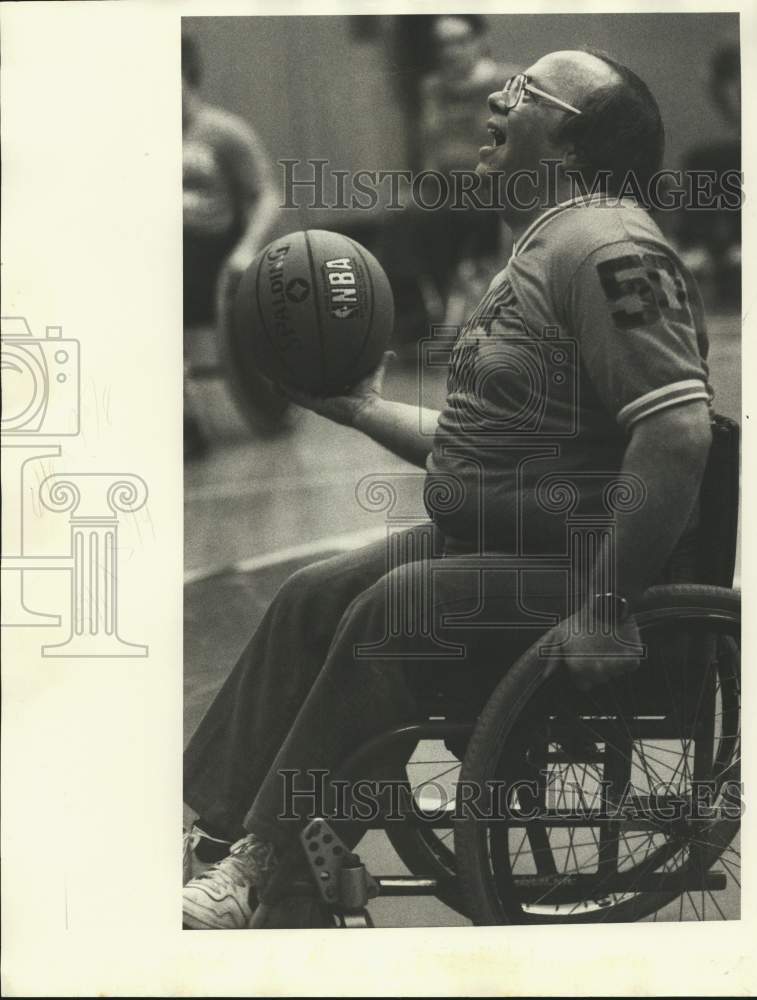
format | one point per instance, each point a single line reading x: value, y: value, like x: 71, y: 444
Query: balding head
x: 585, y: 123
x: 573, y: 74
x: 619, y: 131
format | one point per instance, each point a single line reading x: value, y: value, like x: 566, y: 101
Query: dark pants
x: 203, y: 258
x: 306, y: 691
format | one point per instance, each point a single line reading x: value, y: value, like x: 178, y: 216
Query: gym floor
x: 259, y: 506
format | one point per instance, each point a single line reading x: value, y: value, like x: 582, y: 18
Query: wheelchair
x: 618, y: 804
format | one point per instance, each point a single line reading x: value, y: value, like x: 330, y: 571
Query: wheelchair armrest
x: 707, y: 554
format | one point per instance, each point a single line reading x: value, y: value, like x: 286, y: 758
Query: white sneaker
x: 219, y: 898
x: 190, y: 841
x: 191, y: 864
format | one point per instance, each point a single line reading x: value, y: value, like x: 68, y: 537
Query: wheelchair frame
x: 531, y: 727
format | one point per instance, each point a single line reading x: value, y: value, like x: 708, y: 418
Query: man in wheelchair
x: 595, y: 330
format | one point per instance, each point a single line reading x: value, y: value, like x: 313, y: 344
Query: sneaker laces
x: 191, y: 840
x: 193, y: 837
x: 200, y: 850
x: 249, y: 863
x: 204, y: 835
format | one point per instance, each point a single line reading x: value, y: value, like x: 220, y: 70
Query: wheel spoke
x: 649, y: 741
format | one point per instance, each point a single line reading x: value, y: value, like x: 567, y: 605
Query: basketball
x: 314, y: 311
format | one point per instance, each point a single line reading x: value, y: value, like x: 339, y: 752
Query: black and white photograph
x: 376, y: 468
x: 461, y: 434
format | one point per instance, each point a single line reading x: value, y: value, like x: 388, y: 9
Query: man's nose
x: 496, y: 102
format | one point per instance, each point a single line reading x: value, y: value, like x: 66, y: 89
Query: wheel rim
x: 544, y: 873
x: 432, y: 774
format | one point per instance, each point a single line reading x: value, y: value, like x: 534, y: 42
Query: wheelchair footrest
x: 342, y: 879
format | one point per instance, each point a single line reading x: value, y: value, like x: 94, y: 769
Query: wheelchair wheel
x: 620, y: 803
x: 428, y: 851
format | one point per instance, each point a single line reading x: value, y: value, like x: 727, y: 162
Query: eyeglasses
x: 514, y: 89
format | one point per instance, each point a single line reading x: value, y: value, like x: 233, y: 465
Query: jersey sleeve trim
x: 659, y: 399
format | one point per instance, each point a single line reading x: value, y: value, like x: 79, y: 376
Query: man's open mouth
x: 498, y: 138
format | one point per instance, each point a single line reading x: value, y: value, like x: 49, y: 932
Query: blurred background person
x: 451, y: 132
x: 711, y: 240
x: 229, y: 207
x: 451, y: 100
x: 452, y: 94
x: 449, y: 253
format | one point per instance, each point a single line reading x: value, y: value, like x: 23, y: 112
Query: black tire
x: 671, y: 619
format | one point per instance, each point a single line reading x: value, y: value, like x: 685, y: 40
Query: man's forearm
x: 397, y: 426
x: 669, y: 458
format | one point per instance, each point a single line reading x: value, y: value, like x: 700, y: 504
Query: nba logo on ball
x: 314, y: 311
x: 340, y: 274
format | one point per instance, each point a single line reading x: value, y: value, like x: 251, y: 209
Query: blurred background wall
x: 332, y: 87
